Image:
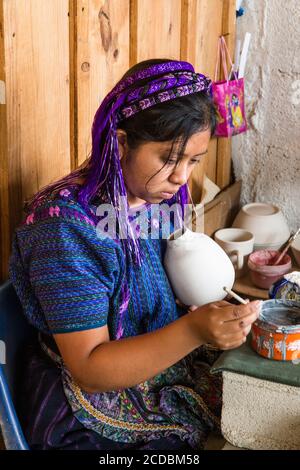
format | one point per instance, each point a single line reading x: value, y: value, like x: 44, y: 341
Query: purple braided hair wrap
x: 169, y: 81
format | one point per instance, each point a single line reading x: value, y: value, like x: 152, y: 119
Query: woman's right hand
x: 223, y: 324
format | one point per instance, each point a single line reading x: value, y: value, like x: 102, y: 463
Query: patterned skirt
x: 176, y: 410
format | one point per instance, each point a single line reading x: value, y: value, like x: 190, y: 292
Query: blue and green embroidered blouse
x: 69, y: 279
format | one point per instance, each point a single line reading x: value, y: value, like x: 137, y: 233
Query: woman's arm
x: 100, y: 365
x: 114, y: 365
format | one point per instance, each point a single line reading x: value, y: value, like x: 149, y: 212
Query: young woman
x: 119, y: 364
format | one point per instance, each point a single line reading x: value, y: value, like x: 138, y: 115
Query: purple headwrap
x: 169, y: 80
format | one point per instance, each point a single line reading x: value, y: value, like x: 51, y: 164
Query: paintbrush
x: 237, y: 297
x: 290, y: 241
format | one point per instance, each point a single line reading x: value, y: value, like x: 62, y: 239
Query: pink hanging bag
x: 229, y: 98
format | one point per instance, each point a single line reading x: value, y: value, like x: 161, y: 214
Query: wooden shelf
x: 245, y: 286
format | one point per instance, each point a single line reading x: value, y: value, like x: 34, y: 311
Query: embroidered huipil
x: 68, y: 279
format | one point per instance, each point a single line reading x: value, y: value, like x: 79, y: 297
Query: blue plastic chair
x: 15, y: 332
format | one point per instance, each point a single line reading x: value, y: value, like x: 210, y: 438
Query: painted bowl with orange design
x: 276, y: 333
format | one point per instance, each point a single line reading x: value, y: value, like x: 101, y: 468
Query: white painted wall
x: 267, y: 157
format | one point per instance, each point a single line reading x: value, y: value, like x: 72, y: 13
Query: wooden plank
x: 200, y: 41
x: 231, y: 194
x: 158, y: 29
x: 37, y: 77
x: 57, y: 76
x: 229, y: 23
x: 133, y: 32
x: 72, y: 14
x: 205, y: 167
x: 224, y: 162
x: 224, y: 145
x: 220, y: 212
x: 199, y: 46
x: 244, y: 285
x: 211, y: 162
x: 196, y: 180
x: 4, y: 205
x: 102, y: 58
x: 184, y: 29
x: 200, y: 29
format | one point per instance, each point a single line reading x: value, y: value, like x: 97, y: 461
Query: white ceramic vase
x: 198, y: 268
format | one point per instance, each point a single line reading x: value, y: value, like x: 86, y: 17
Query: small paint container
x: 263, y: 274
x: 276, y: 333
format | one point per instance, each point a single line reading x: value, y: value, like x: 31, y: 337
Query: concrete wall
x: 267, y: 157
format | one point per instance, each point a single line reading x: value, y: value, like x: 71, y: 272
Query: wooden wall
x: 59, y: 58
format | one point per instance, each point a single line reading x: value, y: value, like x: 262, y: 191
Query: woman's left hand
x: 187, y: 307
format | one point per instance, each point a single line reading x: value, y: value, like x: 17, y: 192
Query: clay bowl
x: 276, y: 333
x: 262, y: 273
x: 266, y: 222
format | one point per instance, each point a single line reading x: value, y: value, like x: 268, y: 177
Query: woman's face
x: 148, y: 159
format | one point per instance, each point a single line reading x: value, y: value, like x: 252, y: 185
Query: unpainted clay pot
x: 197, y: 267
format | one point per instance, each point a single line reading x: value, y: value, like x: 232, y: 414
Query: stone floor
x: 219, y: 443
x: 215, y: 442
